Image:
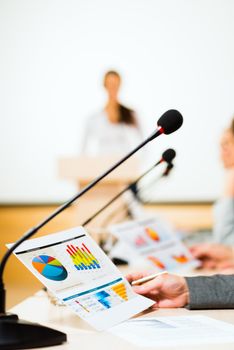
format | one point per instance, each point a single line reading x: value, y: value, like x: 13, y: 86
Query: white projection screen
x: 171, y: 54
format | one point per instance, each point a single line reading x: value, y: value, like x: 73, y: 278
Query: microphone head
x: 170, y: 121
x: 169, y: 155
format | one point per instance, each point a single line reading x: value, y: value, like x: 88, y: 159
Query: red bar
x: 86, y: 248
x: 68, y: 251
x: 73, y: 248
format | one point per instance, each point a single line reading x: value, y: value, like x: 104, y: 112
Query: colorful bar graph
x: 121, y: 290
x: 103, y: 298
x: 82, y: 257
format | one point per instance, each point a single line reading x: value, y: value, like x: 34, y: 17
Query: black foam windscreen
x: 169, y: 155
x: 170, y: 121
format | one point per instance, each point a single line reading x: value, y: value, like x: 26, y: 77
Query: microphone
x: 166, y: 172
x: 12, y: 330
x: 170, y: 121
x: 167, y: 156
x: 170, y: 166
x: 168, y: 169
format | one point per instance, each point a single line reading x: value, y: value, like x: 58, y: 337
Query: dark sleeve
x: 213, y: 292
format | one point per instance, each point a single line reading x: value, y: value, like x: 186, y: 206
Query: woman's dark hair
x: 232, y: 126
x: 126, y: 115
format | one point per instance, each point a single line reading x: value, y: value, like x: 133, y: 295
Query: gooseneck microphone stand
x: 167, y: 157
x: 17, y: 334
x: 118, y: 195
x: 125, y: 210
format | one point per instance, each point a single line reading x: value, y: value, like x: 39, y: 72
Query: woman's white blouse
x: 105, y: 138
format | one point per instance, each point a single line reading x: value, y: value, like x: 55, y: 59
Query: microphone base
x: 119, y: 261
x: 17, y: 334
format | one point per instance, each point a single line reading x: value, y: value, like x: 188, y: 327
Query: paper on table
x: 175, y: 331
x: 73, y: 267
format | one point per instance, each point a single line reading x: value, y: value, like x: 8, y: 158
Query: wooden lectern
x: 82, y: 170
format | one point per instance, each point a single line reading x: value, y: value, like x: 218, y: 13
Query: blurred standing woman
x: 113, y: 130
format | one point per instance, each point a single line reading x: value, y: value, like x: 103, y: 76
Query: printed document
x: 174, y: 331
x: 76, y: 270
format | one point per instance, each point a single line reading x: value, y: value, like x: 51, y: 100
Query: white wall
x: 172, y: 54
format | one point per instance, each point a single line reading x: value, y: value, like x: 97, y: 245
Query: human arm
x: 166, y: 290
x: 213, y: 292
x: 213, y: 255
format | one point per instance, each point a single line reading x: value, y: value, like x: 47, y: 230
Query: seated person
x: 221, y: 254
x: 171, y: 291
x: 224, y: 208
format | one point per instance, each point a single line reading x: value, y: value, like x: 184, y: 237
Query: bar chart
x: 103, y: 298
x: 82, y: 257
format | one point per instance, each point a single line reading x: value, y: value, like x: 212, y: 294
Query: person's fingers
x: 226, y: 264
x: 196, y: 252
x: 194, y: 247
x: 212, y: 252
x: 165, y: 303
x: 154, y: 298
x: 154, y: 307
x: 199, y: 246
x: 171, y: 303
x: 136, y: 276
x: 149, y: 287
x: 199, y: 251
x: 209, y: 264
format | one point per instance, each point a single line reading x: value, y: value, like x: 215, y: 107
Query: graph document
x: 155, y: 243
x: 76, y: 270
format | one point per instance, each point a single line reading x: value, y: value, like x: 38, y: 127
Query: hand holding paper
x: 166, y: 290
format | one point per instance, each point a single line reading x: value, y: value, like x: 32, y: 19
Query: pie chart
x: 49, y: 267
